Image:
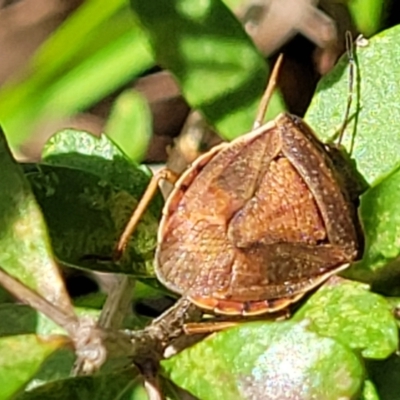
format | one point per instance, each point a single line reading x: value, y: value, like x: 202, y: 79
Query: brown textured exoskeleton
x: 253, y: 225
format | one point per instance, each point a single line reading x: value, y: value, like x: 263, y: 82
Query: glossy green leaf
x: 375, y: 146
x: 57, y: 365
x: 25, y: 248
x: 94, y: 300
x: 368, y: 15
x: 20, y: 358
x: 381, y: 222
x: 122, y: 385
x: 18, y: 319
x: 102, y: 157
x: 349, y: 313
x: 129, y: 124
x: 85, y: 216
x: 385, y: 375
x: 217, y: 66
x: 283, y: 360
x: 98, y: 188
x: 369, y: 391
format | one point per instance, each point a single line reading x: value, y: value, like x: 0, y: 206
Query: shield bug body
x: 255, y: 224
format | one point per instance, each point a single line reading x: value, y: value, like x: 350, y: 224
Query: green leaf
x: 385, y: 375
x: 216, y: 64
x: 66, y: 76
x: 368, y: 15
x: 381, y: 223
x: 20, y: 358
x: 87, y: 196
x: 376, y: 87
x: 18, y: 319
x: 129, y: 124
x: 119, y: 385
x: 375, y: 148
x: 232, y: 4
x: 81, y: 24
x: 57, y: 366
x: 85, y: 216
x: 91, y: 300
x: 25, y: 248
x: 126, y: 57
x: 72, y: 142
x: 100, y: 156
x: 283, y: 360
x: 369, y: 391
x: 349, y: 313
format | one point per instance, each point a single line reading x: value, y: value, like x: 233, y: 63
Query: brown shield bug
x: 255, y: 224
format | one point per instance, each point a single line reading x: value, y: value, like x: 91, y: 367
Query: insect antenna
x: 262, y: 108
x: 351, y: 60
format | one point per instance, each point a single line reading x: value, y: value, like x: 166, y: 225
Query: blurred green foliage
x: 96, y: 51
x: 369, y: 15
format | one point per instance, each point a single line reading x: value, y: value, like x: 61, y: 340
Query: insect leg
x: 163, y: 174
x: 194, y: 328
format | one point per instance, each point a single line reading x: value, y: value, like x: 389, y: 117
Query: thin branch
x: 94, y: 343
x: 91, y: 343
x: 105, y: 338
x: 36, y: 301
x: 118, y: 303
x: 153, y: 389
